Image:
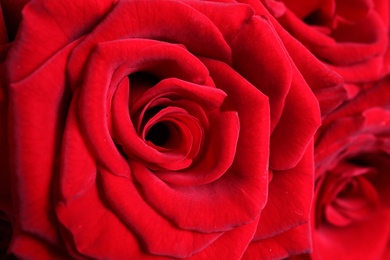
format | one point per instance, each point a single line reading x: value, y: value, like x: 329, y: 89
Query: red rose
x: 351, y: 37
x: 351, y: 216
x: 160, y: 128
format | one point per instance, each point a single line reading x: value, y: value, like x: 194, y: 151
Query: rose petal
x: 342, y: 134
x: 90, y: 228
x: 358, y: 72
x: 282, y: 92
x: 208, y: 97
x: 235, y: 15
x: 377, y: 96
x: 290, y: 194
x: 294, y: 141
x: 27, y: 246
x: 156, y: 232
x: 301, y: 10
x: 360, y: 9
x: 75, y: 155
x: 209, y: 166
x: 251, y: 157
x: 185, y: 136
x: 138, y: 20
x: 292, y: 242
x: 273, y: 78
x: 338, y: 242
x: 54, y: 17
x: 329, y: 91
x: 86, y: 220
x: 231, y: 245
x: 34, y: 152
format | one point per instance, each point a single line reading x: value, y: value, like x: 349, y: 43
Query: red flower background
x: 352, y: 181
x: 191, y: 129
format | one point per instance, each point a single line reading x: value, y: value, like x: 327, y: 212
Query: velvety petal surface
x: 30, y: 112
x: 291, y: 242
x: 290, y: 194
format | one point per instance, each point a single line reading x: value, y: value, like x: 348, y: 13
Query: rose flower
x: 351, y: 212
x: 143, y: 129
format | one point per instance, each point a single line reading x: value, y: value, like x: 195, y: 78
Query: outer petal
x: 158, y: 235
x: 138, y: 21
x: 284, y: 86
x: 235, y: 15
x: 273, y: 78
x: 290, y: 194
x: 326, y: 85
x: 82, y: 209
x: 292, y: 242
x: 58, y: 24
x: 37, y: 104
x: 254, y: 170
x: 295, y: 140
x: 322, y: 81
x: 231, y: 245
